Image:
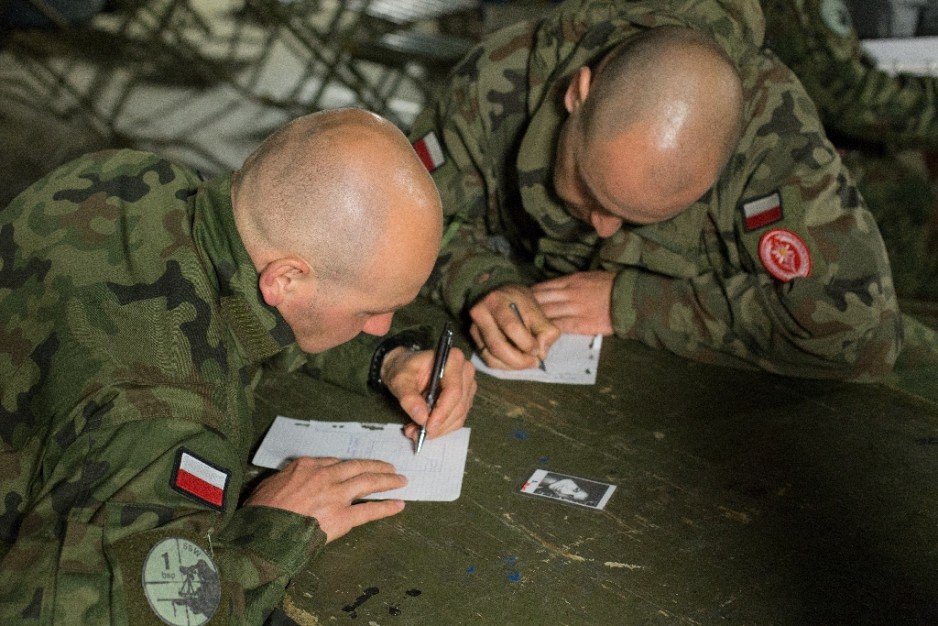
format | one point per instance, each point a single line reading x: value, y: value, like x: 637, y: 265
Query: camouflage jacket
x: 131, y: 336
x: 779, y: 266
x: 816, y: 39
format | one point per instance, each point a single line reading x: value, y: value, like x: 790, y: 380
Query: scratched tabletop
x: 741, y: 497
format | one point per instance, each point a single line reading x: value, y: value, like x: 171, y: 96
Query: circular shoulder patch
x: 785, y: 255
x: 181, y: 582
x: 837, y: 17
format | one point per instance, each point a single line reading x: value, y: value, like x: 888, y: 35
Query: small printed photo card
x: 568, y: 489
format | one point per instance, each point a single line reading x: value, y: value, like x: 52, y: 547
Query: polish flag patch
x: 430, y: 151
x: 199, y: 479
x: 785, y: 255
x: 762, y: 211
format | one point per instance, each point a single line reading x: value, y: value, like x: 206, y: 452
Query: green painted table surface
x: 741, y: 497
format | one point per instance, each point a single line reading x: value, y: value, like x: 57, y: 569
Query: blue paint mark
x: 510, y: 561
x: 514, y: 576
x: 544, y: 460
x: 471, y: 569
x: 520, y: 434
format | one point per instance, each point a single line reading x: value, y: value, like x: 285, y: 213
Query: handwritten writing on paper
x: 433, y: 475
x: 572, y: 360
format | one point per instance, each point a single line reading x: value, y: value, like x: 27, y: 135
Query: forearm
x: 747, y: 321
x: 467, y: 270
x: 85, y: 559
x: 875, y: 106
x: 279, y: 544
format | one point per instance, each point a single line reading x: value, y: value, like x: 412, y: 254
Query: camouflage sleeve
x: 467, y: 169
x: 816, y: 39
x: 806, y: 289
x: 139, y: 516
x: 345, y: 365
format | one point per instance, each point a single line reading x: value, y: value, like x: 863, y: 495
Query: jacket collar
x: 259, y: 329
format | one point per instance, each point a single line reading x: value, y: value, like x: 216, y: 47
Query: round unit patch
x: 181, y: 582
x: 785, y: 255
x: 837, y: 17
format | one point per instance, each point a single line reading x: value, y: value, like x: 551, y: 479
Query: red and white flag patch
x: 762, y: 211
x: 199, y: 479
x: 785, y: 255
x: 430, y: 151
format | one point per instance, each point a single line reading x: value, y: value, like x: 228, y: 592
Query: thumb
x: 546, y: 337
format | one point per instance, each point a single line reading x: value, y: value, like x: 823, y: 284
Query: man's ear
x: 280, y: 278
x: 578, y: 88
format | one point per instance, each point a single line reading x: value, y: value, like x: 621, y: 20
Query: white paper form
x: 572, y: 360
x: 433, y: 475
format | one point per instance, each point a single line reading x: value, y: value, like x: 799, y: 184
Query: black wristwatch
x: 409, y: 339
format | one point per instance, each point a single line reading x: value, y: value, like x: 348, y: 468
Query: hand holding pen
x: 407, y: 376
x: 510, y: 330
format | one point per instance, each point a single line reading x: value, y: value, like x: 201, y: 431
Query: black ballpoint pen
x: 517, y: 312
x: 439, y: 362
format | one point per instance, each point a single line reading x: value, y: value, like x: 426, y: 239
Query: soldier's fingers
x: 560, y: 308
x: 450, y: 406
x: 458, y: 415
x: 560, y: 282
x: 551, y: 296
x: 484, y: 325
x: 575, y: 325
x: 514, y: 329
x: 453, y: 409
x: 311, y: 464
x: 546, y: 337
x: 503, y: 354
x: 345, y: 470
x: 476, y: 335
x: 494, y: 346
x: 411, y: 431
x: 367, y: 483
x: 364, y: 512
x: 447, y: 402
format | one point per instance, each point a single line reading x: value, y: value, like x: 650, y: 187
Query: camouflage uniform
x: 695, y: 284
x: 816, y: 39
x: 871, y: 116
x: 132, y: 334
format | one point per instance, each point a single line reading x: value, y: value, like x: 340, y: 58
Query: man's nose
x: 605, y: 225
x: 378, y: 324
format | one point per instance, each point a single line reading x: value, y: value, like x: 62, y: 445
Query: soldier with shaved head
x: 138, y: 305
x: 648, y: 169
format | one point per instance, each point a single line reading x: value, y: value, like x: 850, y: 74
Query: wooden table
x: 741, y: 497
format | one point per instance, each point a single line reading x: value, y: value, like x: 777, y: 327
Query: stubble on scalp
x: 678, y: 86
x: 317, y: 188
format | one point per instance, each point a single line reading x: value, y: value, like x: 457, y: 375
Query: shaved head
x: 342, y: 222
x: 651, y: 127
x: 328, y: 188
x: 677, y: 82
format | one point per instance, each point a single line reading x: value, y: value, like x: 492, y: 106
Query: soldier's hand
x: 326, y: 489
x: 505, y: 342
x: 407, y: 376
x: 578, y: 303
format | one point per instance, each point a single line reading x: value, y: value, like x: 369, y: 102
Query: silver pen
x: 436, y: 376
